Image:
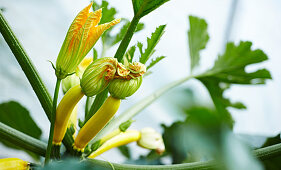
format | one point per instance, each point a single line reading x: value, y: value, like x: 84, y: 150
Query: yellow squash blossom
x: 82, y: 35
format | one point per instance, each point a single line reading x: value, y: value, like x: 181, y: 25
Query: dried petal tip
x: 150, y: 139
x: 98, y: 75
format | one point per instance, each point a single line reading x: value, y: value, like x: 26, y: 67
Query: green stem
x: 87, y: 105
x: 49, y: 148
x: 127, y: 38
x: 131, y: 112
x: 26, y: 65
x: 262, y: 154
x: 99, y: 100
x: 31, y: 73
x: 22, y: 140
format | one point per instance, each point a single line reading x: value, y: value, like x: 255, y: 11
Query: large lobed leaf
x: 144, y: 7
x: 16, y: 116
x: 151, y: 43
x: 229, y: 69
x: 202, y: 136
x: 108, y: 14
x: 197, y: 39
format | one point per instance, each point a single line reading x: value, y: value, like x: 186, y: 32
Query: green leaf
x: 229, y: 69
x: 155, y: 61
x: 203, y: 137
x: 108, y: 13
x: 125, y: 150
x: 197, y: 39
x: 16, y: 116
x: 120, y: 35
x: 151, y: 43
x: 144, y: 7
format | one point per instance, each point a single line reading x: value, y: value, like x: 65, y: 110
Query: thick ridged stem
x: 53, y: 119
x: 96, y: 123
x: 22, y: 140
x: 30, y: 72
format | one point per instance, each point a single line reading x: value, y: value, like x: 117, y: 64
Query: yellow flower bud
x: 69, y: 82
x: 83, y: 65
x: 98, y: 75
x: 150, y: 139
x: 13, y: 163
x: 81, y: 37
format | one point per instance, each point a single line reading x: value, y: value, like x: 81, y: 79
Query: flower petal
x: 96, y: 32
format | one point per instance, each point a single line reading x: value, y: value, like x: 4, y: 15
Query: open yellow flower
x: 82, y: 35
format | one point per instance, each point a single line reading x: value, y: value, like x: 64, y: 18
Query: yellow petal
x: 96, y: 32
x: 79, y: 20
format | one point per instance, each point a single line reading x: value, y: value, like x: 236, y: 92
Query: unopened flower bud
x: 70, y: 82
x: 150, y: 139
x: 82, y: 35
x: 122, y: 88
x: 97, y: 76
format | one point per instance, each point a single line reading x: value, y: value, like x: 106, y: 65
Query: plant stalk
x: 26, y: 65
x: 127, y: 38
x: 53, y: 119
x: 31, y: 73
x: 22, y: 140
x: 262, y: 154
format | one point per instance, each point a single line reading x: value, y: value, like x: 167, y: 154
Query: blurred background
x: 41, y: 27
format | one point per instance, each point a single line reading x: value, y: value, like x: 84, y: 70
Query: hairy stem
x: 27, y: 66
x: 127, y: 38
x: 22, y: 140
x: 53, y: 119
x: 31, y: 73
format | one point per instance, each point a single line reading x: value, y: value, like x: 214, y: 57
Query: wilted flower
x: 127, y: 80
x: 151, y: 139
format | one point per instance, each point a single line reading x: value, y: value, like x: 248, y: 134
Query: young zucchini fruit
x: 122, y: 139
x: 94, y: 80
x: 13, y: 163
x: 124, y: 84
x: 147, y: 138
